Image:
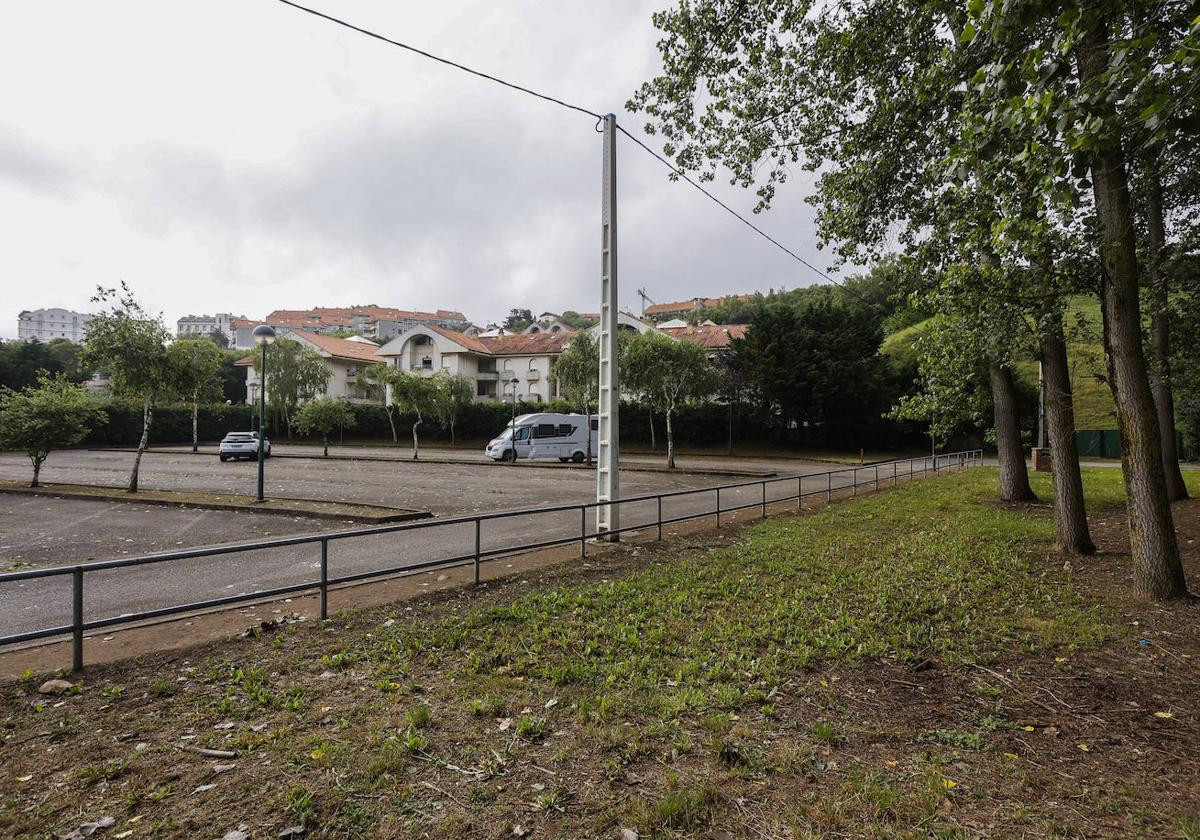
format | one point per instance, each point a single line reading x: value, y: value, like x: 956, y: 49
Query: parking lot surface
x: 72, y: 531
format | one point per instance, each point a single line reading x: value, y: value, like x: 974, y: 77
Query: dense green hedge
x: 704, y: 424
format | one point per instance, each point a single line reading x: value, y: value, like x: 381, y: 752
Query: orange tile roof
x: 713, y: 337
x: 344, y: 315
x: 343, y: 348
x: 691, y: 303
x: 506, y: 345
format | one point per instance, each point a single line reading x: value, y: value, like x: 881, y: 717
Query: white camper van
x: 561, y: 436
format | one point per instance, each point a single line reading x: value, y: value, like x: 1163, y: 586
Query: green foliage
x: 294, y: 374
x: 517, y: 320
x: 322, y: 416
x: 580, y: 322
x: 577, y: 371
x: 37, y: 420
x: 666, y: 374
x: 195, y: 363
x: 454, y: 392
x: 129, y: 344
x: 21, y: 362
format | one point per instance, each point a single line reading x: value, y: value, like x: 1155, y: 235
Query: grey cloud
x: 24, y: 164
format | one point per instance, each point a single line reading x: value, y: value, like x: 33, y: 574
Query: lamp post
x: 512, y: 424
x: 264, y: 336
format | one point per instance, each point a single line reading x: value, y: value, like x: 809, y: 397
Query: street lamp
x: 264, y: 336
x: 512, y: 426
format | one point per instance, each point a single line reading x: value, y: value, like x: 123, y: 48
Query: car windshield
x: 240, y: 436
x: 506, y: 434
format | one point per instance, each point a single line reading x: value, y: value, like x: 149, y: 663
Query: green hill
x: 1093, y: 400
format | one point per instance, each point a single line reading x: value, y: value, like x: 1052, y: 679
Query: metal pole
x: 607, y: 476
x: 829, y: 486
x: 799, y: 492
x: 855, y: 482
x: 718, y: 507
x: 764, y: 500
x: 77, y: 619
x: 583, y: 531
x: 660, y: 517
x: 478, y: 524
x: 324, y: 579
x: 262, y: 407
x: 895, y: 473
x: 876, y: 476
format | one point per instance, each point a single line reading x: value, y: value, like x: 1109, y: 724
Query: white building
x: 47, y: 324
x: 191, y: 325
x: 493, y: 362
x: 346, y: 358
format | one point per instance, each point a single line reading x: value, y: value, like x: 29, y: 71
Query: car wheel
x: 577, y: 457
x: 224, y: 457
x: 510, y: 455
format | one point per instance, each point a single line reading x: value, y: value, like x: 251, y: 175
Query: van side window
x: 565, y: 429
x: 522, y: 433
x: 595, y: 424
x: 544, y: 430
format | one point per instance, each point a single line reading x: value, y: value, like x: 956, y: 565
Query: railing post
x: 660, y: 517
x: 764, y: 500
x: 583, y: 531
x: 718, y: 507
x: 829, y: 486
x: 324, y: 579
x: 876, y: 476
x: 77, y: 619
x: 895, y: 471
x: 855, y: 481
x: 799, y: 492
x: 478, y: 544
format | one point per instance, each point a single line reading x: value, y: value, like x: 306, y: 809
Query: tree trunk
x: 325, y: 440
x: 391, y: 422
x: 587, y: 413
x: 195, y: 423
x: 37, y: 471
x: 670, y: 442
x: 147, y: 417
x: 452, y: 441
x: 1160, y: 338
x: 1010, y: 451
x: 416, y: 445
x: 653, y: 442
x: 1155, y: 550
x: 730, y: 426
x: 1070, y: 514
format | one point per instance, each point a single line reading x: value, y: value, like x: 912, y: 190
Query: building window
x: 426, y: 363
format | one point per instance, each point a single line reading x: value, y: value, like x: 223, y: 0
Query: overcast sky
x: 239, y: 155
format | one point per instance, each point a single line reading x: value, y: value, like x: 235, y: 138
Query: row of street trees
x: 442, y: 397
x: 1019, y: 152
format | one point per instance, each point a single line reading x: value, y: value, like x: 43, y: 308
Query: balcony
x: 489, y: 375
x: 532, y: 375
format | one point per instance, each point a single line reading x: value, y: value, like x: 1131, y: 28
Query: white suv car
x: 242, y: 445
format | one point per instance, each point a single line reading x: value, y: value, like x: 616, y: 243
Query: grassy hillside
x: 1093, y: 401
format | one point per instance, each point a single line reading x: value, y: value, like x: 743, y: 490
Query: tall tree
x: 667, y: 374
x: 454, y: 393
x: 130, y: 345
x: 195, y: 363
x: 38, y: 419
x: 294, y: 374
x: 321, y: 416
x: 415, y: 394
x: 577, y: 372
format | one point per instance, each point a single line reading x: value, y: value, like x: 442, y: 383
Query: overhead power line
x: 680, y: 173
x: 570, y: 106
x: 438, y: 58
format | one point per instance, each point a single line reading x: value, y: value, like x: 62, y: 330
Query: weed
x: 300, y: 804
x: 112, y: 692
x: 26, y: 677
x: 162, y: 687
x: 338, y: 661
x: 554, y: 799
x: 105, y: 772
x: 418, y: 717
x: 531, y: 728
x: 680, y: 810
x: 1189, y: 828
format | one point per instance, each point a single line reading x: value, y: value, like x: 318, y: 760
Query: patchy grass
x: 910, y: 663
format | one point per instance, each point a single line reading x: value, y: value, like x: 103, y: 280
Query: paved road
x: 445, y: 489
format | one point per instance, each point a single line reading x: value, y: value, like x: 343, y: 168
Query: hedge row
x: 705, y: 424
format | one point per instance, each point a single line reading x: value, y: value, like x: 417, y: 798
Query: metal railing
x: 886, y: 471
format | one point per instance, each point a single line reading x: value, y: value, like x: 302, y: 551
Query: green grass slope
x: 1093, y: 400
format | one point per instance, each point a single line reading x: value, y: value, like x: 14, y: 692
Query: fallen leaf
x: 121, y: 834
x: 504, y: 724
x: 24, y: 778
x: 1084, y: 747
x: 1012, y: 755
x: 1165, y: 715
x: 949, y: 783
x: 552, y: 702
x: 1027, y: 728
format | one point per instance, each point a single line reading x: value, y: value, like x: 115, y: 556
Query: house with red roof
x: 346, y: 358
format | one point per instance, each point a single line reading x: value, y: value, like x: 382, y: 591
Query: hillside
x: 1093, y: 401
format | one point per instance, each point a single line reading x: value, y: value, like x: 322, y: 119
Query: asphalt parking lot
x: 43, y: 530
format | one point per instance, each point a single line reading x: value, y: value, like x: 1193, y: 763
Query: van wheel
x: 510, y: 455
x: 577, y: 457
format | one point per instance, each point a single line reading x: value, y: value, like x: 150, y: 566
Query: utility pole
x: 608, y: 488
